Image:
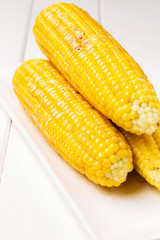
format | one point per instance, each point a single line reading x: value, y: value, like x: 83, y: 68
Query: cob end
x: 118, y: 171
x: 148, y: 118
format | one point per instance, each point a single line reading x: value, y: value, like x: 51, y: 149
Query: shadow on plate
x: 133, y: 185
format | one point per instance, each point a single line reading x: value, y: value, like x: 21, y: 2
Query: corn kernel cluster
x: 156, y: 136
x: 79, y: 133
x: 98, y: 67
x: 146, y: 153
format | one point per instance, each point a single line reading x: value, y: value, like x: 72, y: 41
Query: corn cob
x: 156, y: 136
x: 79, y: 133
x: 98, y: 67
x: 146, y: 156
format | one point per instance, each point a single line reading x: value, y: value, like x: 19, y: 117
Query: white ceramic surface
x: 131, y: 211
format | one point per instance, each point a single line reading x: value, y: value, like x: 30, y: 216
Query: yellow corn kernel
x: 146, y: 155
x: 79, y: 133
x: 98, y: 67
x: 156, y: 136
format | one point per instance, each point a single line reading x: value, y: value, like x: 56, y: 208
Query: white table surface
x: 136, y: 25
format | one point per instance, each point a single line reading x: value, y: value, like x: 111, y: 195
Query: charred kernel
x: 77, y: 48
x: 80, y: 36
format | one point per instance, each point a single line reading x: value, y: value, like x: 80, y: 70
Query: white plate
x: 131, y: 211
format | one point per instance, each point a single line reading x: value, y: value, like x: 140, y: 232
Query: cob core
x: 98, y: 67
x: 80, y: 134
